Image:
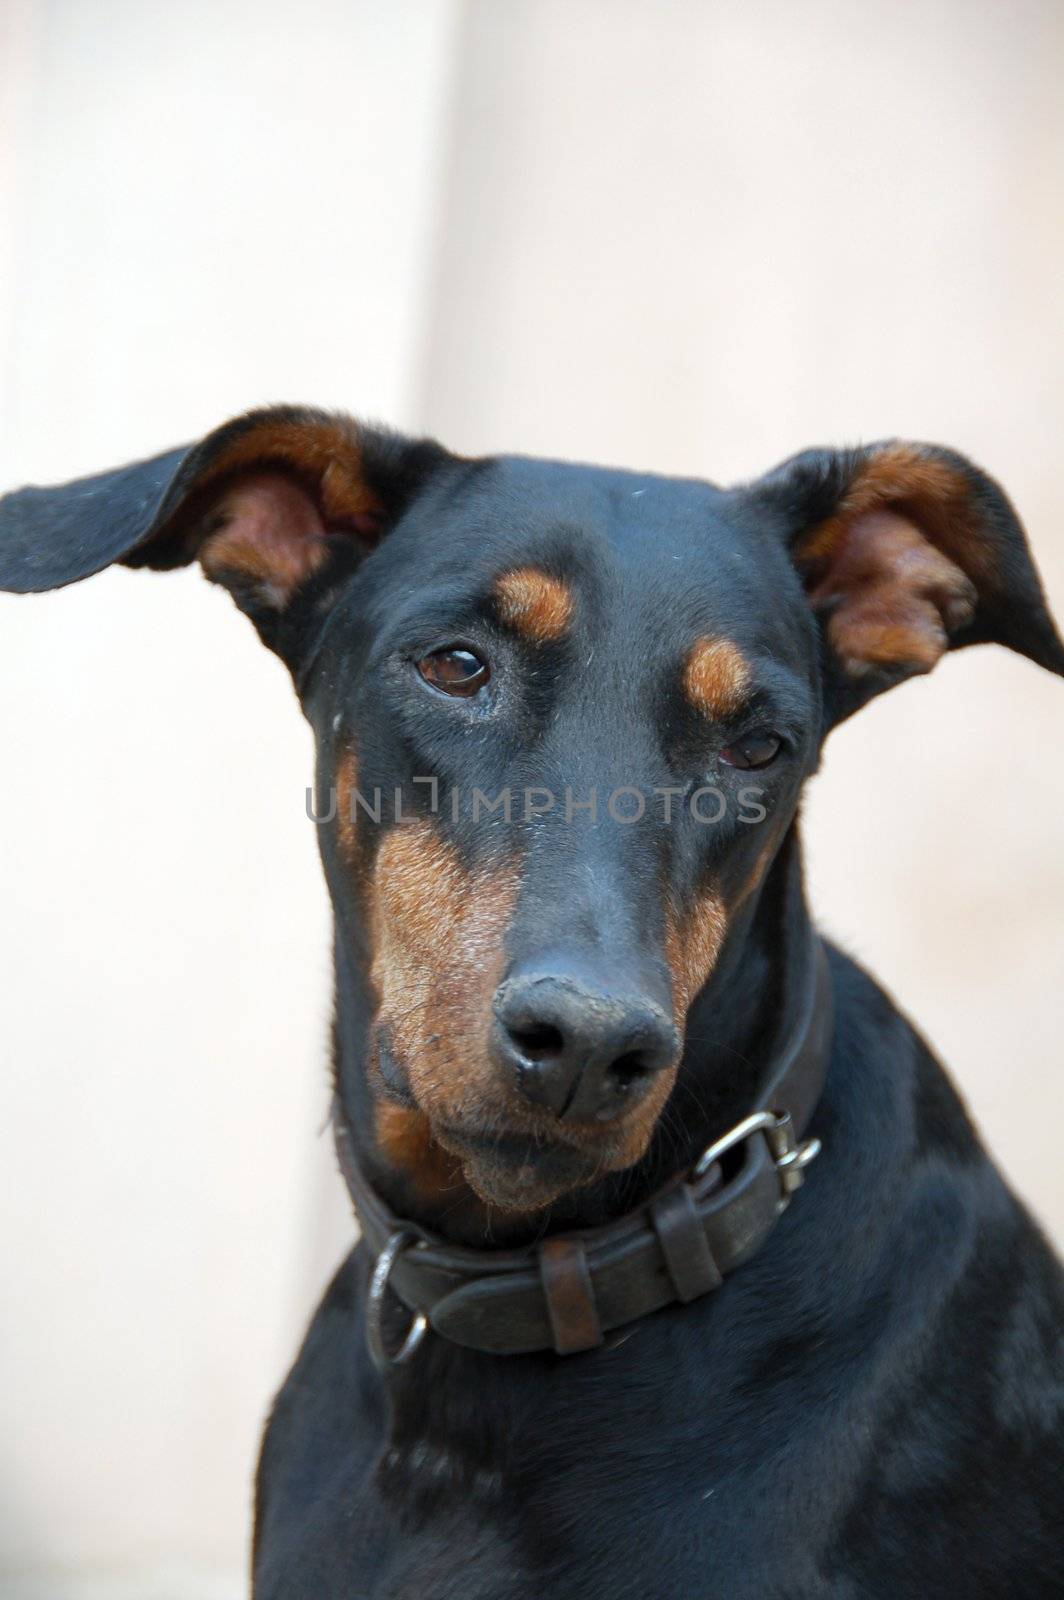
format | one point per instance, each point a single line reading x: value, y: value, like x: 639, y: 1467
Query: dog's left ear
x: 279, y: 507
x: 906, y: 551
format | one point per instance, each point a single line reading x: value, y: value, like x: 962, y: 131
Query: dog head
x: 563, y: 717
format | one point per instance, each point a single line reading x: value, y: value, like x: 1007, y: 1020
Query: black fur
x: 873, y: 1405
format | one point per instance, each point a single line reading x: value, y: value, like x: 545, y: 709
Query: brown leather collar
x: 567, y: 1292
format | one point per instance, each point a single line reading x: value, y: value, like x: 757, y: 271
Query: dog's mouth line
x: 520, y: 1171
x: 517, y: 1145
x: 392, y: 1080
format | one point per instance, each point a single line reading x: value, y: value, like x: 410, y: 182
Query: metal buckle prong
x: 378, y: 1283
x: 790, y: 1157
x: 757, y: 1122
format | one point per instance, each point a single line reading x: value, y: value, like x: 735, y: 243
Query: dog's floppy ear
x: 277, y: 505
x: 906, y: 551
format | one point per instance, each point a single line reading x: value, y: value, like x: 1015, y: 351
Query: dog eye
x: 454, y: 670
x: 756, y: 749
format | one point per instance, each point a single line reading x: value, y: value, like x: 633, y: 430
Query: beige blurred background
x: 692, y: 235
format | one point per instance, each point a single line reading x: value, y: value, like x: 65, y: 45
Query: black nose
x: 576, y: 1048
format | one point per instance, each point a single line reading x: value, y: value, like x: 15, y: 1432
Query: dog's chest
x: 425, y: 1522
x: 363, y: 1547
x: 395, y: 1530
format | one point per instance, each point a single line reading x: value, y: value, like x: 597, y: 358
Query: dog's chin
x: 520, y: 1173
x: 520, y: 1189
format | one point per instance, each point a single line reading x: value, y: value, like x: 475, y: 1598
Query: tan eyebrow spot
x: 716, y: 677
x: 533, y: 603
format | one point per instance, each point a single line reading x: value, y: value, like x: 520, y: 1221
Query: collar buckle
x: 790, y: 1157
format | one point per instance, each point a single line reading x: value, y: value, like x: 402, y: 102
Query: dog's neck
x: 730, y: 1032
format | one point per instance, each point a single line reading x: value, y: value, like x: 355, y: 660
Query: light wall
x: 693, y: 236
x: 215, y: 205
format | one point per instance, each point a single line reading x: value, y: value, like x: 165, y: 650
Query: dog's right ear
x: 278, y: 506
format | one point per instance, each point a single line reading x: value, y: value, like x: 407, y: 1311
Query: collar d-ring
x: 378, y: 1285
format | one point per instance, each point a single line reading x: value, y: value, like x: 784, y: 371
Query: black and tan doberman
x: 611, y: 1332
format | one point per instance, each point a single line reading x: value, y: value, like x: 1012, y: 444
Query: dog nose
x: 577, y: 1049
